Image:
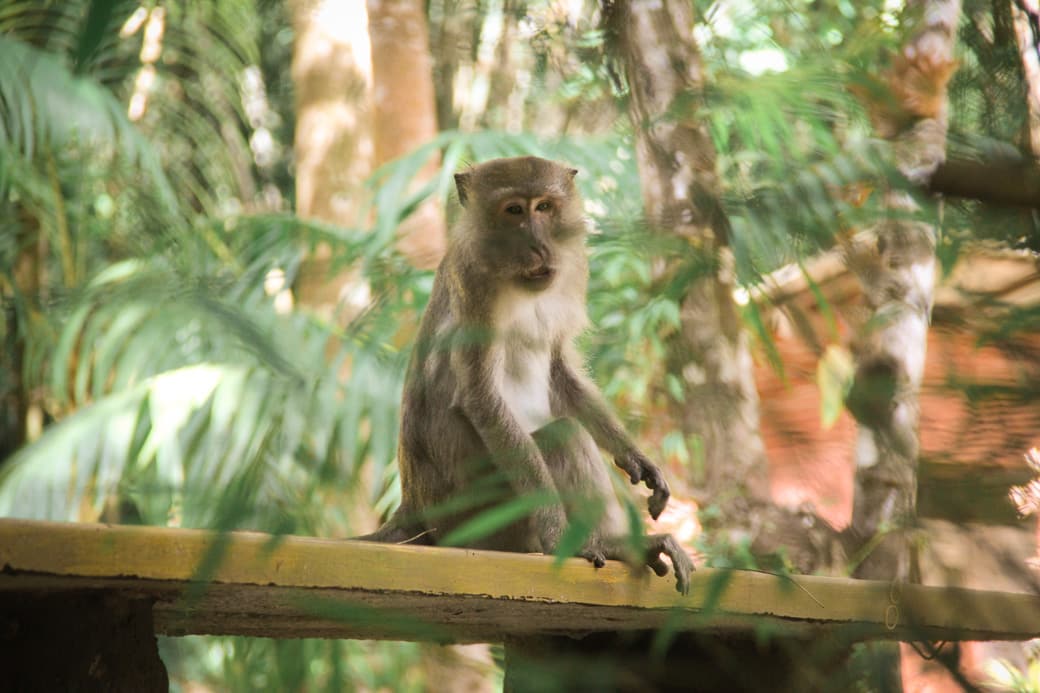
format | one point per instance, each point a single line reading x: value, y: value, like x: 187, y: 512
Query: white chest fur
x: 522, y: 379
x: 527, y: 325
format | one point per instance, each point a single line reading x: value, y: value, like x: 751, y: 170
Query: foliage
x: 244, y: 664
x: 186, y: 291
x: 1004, y: 675
x: 143, y: 262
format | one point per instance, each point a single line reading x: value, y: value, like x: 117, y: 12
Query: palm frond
x: 44, y: 105
x: 217, y: 401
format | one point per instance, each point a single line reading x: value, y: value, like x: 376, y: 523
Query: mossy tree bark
x: 676, y: 159
x: 710, y: 353
x: 896, y: 267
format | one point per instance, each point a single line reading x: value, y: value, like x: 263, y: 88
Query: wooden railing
x: 180, y: 581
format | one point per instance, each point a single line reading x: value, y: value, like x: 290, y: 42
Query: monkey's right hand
x: 639, y: 468
x: 594, y: 554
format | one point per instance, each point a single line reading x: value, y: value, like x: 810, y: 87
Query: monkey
x: 496, y: 405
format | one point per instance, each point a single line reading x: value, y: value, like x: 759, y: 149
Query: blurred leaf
x: 582, y: 521
x: 753, y: 316
x: 636, y: 536
x: 716, y: 588
x: 835, y: 372
x: 496, y: 518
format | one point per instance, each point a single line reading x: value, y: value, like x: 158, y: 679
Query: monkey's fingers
x: 665, y: 544
x: 654, y: 480
x: 657, y: 564
x: 594, y: 556
x: 639, y: 469
x: 631, y: 467
x: 659, y: 499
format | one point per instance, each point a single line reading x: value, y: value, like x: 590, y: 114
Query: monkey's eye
x: 514, y: 209
x: 544, y: 206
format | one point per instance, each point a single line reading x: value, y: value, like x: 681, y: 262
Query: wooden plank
x: 295, y: 587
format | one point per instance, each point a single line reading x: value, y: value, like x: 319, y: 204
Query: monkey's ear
x: 461, y: 183
x: 573, y: 172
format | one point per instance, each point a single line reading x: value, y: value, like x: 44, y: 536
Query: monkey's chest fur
x: 527, y: 328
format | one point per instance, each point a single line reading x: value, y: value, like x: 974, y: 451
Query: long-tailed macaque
x: 495, y: 403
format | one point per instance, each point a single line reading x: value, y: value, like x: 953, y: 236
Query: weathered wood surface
x: 254, y: 584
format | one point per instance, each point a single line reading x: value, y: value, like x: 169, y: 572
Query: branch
x: 1015, y: 184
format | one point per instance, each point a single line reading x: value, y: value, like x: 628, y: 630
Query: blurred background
x: 220, y: 220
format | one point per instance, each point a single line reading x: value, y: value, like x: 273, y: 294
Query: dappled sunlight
x: 154, y: 22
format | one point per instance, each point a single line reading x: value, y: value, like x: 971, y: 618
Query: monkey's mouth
x: 538, y: 275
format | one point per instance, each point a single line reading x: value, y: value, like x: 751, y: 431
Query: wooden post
x: 79, y: 641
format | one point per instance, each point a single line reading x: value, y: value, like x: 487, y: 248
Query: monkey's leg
x: 583, y: 481
x: 399, y: 530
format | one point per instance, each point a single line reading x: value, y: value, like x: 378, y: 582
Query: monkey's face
x: 526, y: 231
x: 527, y: 216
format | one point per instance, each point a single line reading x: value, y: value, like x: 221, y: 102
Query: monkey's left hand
x: 658, y: 547
x: 639, y: 468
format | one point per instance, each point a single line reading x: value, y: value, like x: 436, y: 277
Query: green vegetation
x: 152, y: 371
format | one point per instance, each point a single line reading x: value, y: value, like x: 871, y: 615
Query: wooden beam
x: 254, y: 584
x: 1009, y: 183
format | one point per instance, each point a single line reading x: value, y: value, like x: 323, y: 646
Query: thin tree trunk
x: 896, y: 268
x: 332, y: 76
x: 447, y: 28
x: 25, y: 296
x: 405, y: 114
x: 1026, y: 18
x: 502, y: 73
x: 676, y: 159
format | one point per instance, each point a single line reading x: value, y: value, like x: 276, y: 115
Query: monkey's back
x: 439, y: 451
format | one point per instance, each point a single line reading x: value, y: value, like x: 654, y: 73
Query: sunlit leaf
x: 834, y: 375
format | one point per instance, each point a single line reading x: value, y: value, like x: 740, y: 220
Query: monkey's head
x: 524, y: 217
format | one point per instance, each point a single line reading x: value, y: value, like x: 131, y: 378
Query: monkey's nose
x: 539, y: 253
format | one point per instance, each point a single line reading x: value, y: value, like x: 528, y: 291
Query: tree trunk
x: 20, y: 302
x: 1026, y: 18
x: 502, y: 74
x: 896, y: 267
x: 676, y: 161
x: 448, y: 41
x: 405, y: 113
x: 332, y: 76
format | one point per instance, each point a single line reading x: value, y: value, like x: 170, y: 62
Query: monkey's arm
x: 513, y: 450
x: 580, y: 398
